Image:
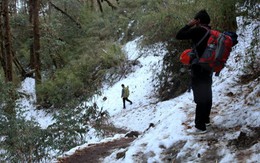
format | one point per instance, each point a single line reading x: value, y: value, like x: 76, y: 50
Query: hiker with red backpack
x: 201, y: 79
x: 209, y: 53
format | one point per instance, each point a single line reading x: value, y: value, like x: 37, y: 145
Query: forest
x: 72, y: 47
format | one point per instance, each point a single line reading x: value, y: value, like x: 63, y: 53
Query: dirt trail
x: 94, y: 152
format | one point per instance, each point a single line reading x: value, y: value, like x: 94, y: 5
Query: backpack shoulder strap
x: 208, y: 30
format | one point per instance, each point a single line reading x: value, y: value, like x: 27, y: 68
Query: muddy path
x: 94, y: 152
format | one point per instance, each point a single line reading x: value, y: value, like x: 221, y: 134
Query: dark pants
x: 126, y: 99
x: 202, y: 92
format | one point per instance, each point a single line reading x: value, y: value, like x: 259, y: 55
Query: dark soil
x: 246, y: 140
x: 94, y: 152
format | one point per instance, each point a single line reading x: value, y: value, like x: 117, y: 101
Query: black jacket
x: 195, y: 34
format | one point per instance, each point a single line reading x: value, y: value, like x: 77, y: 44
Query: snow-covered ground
x: 236, y: 109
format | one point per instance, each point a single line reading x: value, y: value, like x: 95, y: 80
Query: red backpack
x: 218, y: 49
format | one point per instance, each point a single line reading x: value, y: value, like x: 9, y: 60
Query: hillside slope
x: 234, y: 135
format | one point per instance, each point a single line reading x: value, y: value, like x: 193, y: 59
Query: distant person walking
x: 125, y: 95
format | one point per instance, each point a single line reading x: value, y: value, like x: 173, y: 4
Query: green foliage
x: 112, y: 56
x: 23, y: 140
x: 8, y: 96
x: 65, y: 86
x: 18, y: 142
x: 97, y: 118
x: 93, y: 69
x: 3, y: 90
x: 71, y: 126
x: 174, y: 78
x: 68, y: 130
x: 81, y: 80
x: 21, y: 36
x: 77, y: 60
x: 159, y: 21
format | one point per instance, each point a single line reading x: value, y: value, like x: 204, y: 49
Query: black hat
x: 203, y: 16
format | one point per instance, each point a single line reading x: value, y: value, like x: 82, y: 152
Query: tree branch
x: 111, y: 5
x: 99, y: 5
x: 63, y: 12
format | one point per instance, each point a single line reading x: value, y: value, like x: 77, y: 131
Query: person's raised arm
x: 184, y: 33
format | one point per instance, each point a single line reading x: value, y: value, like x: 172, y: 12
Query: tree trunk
x: 31, y: 65
x: 9, y: 109
x: 8, y: 52
x: 2, y: 52
x: 36, y: 41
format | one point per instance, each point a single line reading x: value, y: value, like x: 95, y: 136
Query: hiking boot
x: 195, y: 131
